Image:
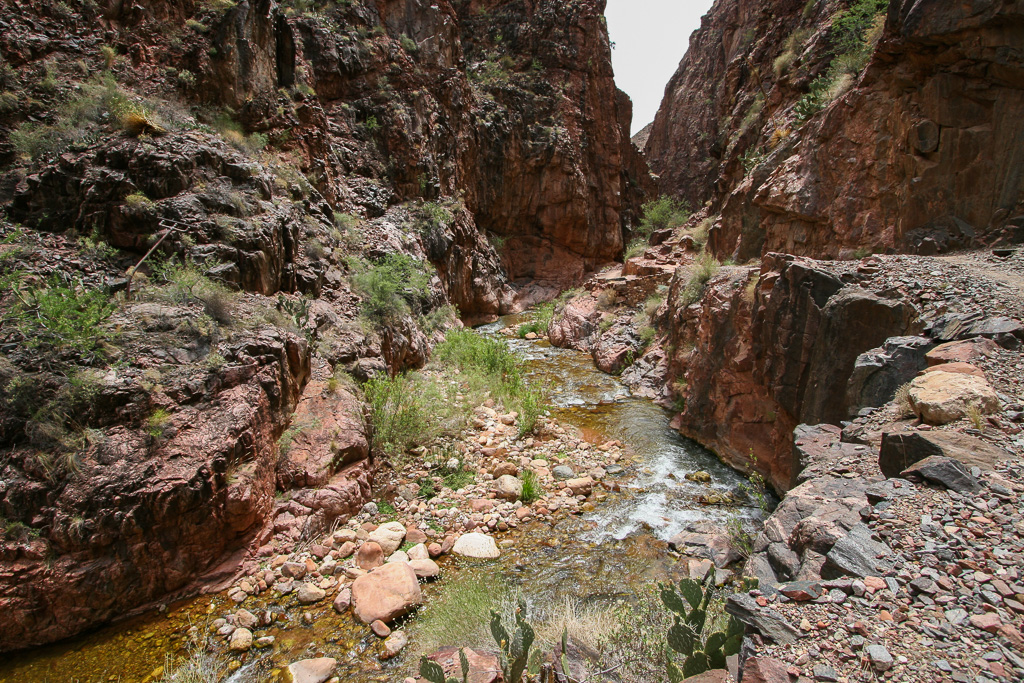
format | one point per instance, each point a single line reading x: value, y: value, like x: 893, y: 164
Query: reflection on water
x: 620, y: 543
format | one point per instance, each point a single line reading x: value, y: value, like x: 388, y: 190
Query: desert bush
x: 185, y: 282
x: 635, y: 248
x: 661, y: 213
x: 389, y: 286
x: 63, y: 316
x: 702, y: 270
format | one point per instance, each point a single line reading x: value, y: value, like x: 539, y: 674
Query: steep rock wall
x: 765, y: 350
x: 917, y: 155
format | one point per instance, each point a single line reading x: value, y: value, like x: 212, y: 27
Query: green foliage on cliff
x: 389, y: 286
x: 62, y: 317
x: 855, y: 32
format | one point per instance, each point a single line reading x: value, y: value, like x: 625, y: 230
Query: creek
x: 618, y: 545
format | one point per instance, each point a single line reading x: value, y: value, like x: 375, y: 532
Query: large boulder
x: 858, y: 554
x: 900, y: 450
x: 476, y: 545
x: 765, y: 620
x: 386, y: 593
x: 943, y: 397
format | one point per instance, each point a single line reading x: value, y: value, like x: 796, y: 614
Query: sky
x: 650, y: 37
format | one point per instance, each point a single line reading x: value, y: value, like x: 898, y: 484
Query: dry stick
x: 167, y: 231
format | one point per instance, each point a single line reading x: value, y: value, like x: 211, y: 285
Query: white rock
x: 398, y: 556
x: 388, y: 536
x: 418, y: 552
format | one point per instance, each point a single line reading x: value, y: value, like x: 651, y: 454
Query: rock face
x: 918, y: 167
x: 785, y: 337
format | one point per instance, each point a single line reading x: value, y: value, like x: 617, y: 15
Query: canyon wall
x: 915, y: 151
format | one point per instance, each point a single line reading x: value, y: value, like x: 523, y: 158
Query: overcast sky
x: 650, y: 37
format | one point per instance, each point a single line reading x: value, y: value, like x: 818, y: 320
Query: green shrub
x: 635, y: 248
x: 63, y: 316
x: 388, y: 287
x: 661, y: 213
x: 703, y: 270
x: 156, y: 424
x: 186, y: 283
x: 408, y: 44
x: 8, y: 101
x: 432, y: 216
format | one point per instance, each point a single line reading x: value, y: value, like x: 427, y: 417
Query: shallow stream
x: 617, y: 545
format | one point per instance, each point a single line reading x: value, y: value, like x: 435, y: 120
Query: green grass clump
x: 156, y: 425
x: 703, y: 270
x: 460, y: 615
x: 531, y: 487
x: 416, y: 408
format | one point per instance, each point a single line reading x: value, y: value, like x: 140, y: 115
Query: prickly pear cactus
x: 703, y: 651
x: 514, y: 648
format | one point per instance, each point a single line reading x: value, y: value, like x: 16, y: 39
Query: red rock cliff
x: 916, y: 151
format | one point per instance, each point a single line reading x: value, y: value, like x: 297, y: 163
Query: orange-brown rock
x: 386, y: 593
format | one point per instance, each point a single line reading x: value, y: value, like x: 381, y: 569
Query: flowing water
x: 618, y: 544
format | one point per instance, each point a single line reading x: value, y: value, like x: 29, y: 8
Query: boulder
x: 369, y: 555
x: 394, y: 644
x: 476, y: 545
x: 508, y: 487
x: 957, y: 367
x: 712, y: 676
x: 504, y: 468
x: 858, y: 554
x: 966, y: 351
x: 241, y: 640
x: 561, y: 472
x: 418, y: 552
x: 425, y: 569
x: 388, y: 536
x: 878, y: 373
x: 483, y: 667
x: 943, y: 397
x: 765, y: 670
x: 1004, y: 331
x: 343, y: 600
x: 902, y: 449
x: 307, y: 594
x: 386, y: 593
x: 950, y: 473
x: 310, y: 670
x: 581, y: 486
